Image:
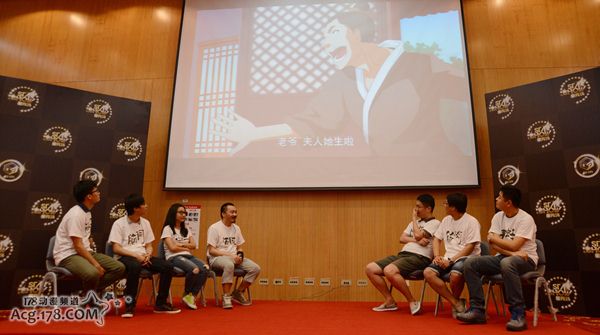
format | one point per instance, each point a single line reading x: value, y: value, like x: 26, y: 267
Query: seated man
x: 415, y: 255
x: 225, y: 253
x: 72, y: 248
x: 512, y: 235
x: 460, y: 233
x: 131, y: 237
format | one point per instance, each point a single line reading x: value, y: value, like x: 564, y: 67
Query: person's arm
x: 405, y: 238
x: 119, y: 250
x: 437, y: 249
x: 83, y: 252
x: 174, y: 247
x: 506, y: 247
x: 465, y: 251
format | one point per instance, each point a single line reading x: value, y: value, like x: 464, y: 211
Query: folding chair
x: 177, y: 272
x: 535, y: 278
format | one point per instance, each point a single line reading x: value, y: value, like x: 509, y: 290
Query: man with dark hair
x: 512, y: 234
x: 460, y: 233
x: 72, y: 248
x: 225, y: 253
x: 131, y: 237
x: 415, y: 255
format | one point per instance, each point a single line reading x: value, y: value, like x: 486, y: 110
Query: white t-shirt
x: 521, y: 225
x: 224, y: 238
x: 456, y: 234
x: 132, y: 236
x: 177, y: 238
x: 76, y: 223
x: 430, y: 226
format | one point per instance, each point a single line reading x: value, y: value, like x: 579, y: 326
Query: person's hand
x: 438, y: 260
x: 521, y: 254
x: 415, y: 217
x: 237, y: 260
x: 237, y: 129
x: 140, y: 258
x: 424, y: 241
x: 100, y: 269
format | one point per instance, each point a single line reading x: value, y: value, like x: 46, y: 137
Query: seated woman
x: 178, y: 244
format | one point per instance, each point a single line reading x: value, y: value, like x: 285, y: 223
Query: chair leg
x: 423, y: 292
x: 438, y: 304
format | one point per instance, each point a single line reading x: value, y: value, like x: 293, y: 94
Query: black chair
x: 145, y: 274
x: 177, y: 272
x: 237, y: 274
x: 54, y: 273
x: 535, y: 278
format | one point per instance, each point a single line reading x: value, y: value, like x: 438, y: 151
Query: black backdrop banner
x: 545, y: 139
x: 51, y: 137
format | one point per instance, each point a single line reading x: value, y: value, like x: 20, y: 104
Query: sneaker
x: 385, y: 308
x: 128, y: 312
x: 190, y: 301
x: 473, y: 315
x: 166, y: 308
x: 227, y: 301
x: 415, y: 307
x: 239, y: 298
x: 461, y: 308
x: 517, y: 321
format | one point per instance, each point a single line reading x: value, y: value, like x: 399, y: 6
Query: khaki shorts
x: 406, y: 262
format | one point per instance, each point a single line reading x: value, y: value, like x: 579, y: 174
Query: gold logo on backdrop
x: 131, y: 148
x: 100, y: 110
x: 552, y: 207
x: 591, y: 245
x: 11, y: 170
x: 31, y: 286
x: 25, y: 97
x: 502, y: 104
x: 577, y: 88
x: 542, y: 132
x: 48, y: 209
x: 92, y: 174
x: 117, y: 211
x: 587, y: 165
x: 563, y: 292
x: 6, y: 248
x: 60, y: 138
x: 509, y: 175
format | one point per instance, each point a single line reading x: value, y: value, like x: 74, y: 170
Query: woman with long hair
x: 178, y: 244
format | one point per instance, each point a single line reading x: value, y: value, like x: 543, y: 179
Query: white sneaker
x: 227, y: 301
x: 385, y: 308
x: 190, y: 301
x: 415, y: 307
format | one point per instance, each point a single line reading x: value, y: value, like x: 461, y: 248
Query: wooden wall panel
x: 128, y: 48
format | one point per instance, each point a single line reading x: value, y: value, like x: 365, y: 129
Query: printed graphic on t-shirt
x: 136, y: 237
x: 229, y: 240
x: 453, y: 237
x: 508, y: 234
x: 88, y: 228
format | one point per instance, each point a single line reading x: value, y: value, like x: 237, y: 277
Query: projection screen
x: 293, y: 94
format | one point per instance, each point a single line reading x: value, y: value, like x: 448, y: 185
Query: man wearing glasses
x: 72, y: 248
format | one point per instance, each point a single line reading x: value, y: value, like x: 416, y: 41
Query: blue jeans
x: 193, y: 281
x: 510, y: 267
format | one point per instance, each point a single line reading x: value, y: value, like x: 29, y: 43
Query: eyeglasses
x: 182, y: 212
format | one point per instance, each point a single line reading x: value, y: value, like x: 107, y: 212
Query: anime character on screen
x: 399, y: 101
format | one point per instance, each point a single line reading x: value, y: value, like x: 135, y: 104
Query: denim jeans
x: 134, y: 267
x: 193, y: 281
x: 510, y: 267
